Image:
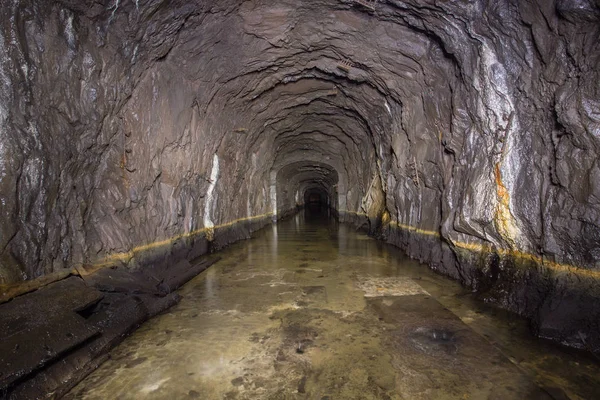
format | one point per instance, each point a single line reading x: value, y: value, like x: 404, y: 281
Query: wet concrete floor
x: 311, y: 309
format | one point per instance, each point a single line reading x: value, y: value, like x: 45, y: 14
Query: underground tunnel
x: 417, y: 183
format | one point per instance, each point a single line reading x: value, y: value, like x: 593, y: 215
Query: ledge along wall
x: 466, y: 133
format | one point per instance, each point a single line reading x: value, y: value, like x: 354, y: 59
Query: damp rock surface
x: 141, y: 133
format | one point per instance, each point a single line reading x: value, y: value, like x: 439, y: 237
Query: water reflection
x: 310, y: 309
x: 274, y: 243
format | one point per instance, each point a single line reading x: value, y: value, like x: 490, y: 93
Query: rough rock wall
x: 467, y: 133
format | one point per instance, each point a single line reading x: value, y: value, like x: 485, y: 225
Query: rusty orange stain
x: 503, y: 219
x: 500, y: 188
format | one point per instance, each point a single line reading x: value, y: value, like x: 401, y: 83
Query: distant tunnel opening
x: 309, y: 184
x: 317, y: 202
x: 316, y: 197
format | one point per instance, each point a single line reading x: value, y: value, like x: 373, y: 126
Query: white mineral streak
x: 69, y: 32
x: 496, y: 107
x: 114, y: 8
x: 495, y: 104
x: 273, y: 195
x: 210, y: 197
x: 4, y: 100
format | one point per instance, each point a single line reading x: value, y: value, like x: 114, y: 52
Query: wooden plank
x: 120, y: 315
x: 34, y: 309
x: 31, y: 349
x: 121, y: 280
x: 42, y: 327
x: 9, y: 292
x: 38, y: 327
x: 344, y: 67
x: 182, y: 272
x: 367, y: 4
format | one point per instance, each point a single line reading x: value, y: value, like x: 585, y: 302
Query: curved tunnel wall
x: 467, y: 133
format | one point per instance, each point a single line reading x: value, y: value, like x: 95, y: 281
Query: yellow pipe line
x: 480, y: 248
x: 110, y: 259
x: 415, y: 229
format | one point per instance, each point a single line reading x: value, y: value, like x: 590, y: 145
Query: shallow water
x: 311, y: 309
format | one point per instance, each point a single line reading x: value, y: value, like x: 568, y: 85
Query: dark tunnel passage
x: 303, y: 183
x: 140, y: 138
x: 317, y: 196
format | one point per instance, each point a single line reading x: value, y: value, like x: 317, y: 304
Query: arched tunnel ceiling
x: 473, y: 124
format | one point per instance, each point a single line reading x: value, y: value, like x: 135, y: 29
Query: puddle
x: 310, y: 309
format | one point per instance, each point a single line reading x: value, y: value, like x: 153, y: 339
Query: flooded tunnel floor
x: 313, y: 310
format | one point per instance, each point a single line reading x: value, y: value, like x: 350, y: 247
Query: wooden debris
x: 370, y: 4
x: 345, y: 65
x: 121, y: 280
x: 8, y: 292
x: 182, y: 272
x: 53, y: 337
x: 119, y: 316
x: 39, y: 327
x: 415, y: 175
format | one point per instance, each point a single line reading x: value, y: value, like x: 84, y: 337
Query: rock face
x: 467, y: 133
